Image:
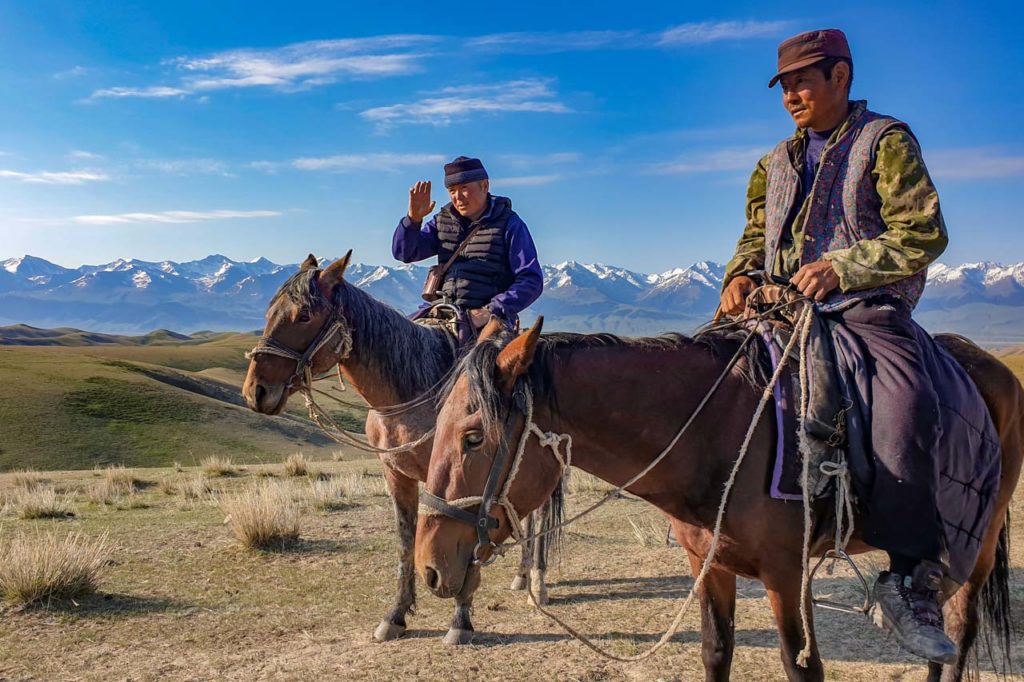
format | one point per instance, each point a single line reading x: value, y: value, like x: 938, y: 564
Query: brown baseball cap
x: 808, y: 48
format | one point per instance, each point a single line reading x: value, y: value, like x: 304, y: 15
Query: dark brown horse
x: 389, y: 361
x: 623, y: 400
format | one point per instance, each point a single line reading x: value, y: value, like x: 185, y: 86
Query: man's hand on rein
x: 816, y: 280
x: 734, y: 297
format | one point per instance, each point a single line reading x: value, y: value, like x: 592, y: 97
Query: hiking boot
x: 908, y: 607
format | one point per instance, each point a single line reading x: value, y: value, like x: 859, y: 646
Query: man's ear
x: 841, y: 71
x: 516, y: 357
x: 493, y: 327
x: 310, y: 262
x: 335, y: 272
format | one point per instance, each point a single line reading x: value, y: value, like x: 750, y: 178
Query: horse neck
x: 624, y: 405
x: 393, y: 359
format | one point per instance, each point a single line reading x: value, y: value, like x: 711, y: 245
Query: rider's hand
x: 420, y: 205
x: 479, y: 317
x: 816, y: 280
x: 734, y: 298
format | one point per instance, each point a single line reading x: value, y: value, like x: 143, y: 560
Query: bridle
x: 334, y: 325
x: 482, y: 521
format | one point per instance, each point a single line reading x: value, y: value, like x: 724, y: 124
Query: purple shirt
x: 414, y: 242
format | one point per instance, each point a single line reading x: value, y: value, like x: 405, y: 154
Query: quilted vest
x: 845, y: 207
x: 481, y: 271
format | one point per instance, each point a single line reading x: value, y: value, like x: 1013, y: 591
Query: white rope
x: 803, y: 330
x: 713, y: 547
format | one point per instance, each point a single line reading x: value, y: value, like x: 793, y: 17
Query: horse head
x: 475, y: 485
x: 303, y: 336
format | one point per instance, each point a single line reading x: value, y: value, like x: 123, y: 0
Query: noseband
x: 482, y: 521
x: 334, y: 325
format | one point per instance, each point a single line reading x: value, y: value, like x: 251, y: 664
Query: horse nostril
x: 261, y: 393
x: 432, y: 578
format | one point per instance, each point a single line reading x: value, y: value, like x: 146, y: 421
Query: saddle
x: 772, y: 310
x: 453, y: 320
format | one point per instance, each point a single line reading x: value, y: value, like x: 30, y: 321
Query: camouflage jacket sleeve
x: 910, y: 208
x: 750, y: 248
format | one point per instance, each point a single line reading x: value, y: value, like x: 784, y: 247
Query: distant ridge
x: 25, y: 335
x: 217, y: 294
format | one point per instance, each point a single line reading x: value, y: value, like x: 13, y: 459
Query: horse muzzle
x: 265, y: 399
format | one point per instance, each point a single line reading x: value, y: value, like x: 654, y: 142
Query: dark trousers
x: 900, y: 411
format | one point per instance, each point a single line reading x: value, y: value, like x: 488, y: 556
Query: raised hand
x: 420, y: 205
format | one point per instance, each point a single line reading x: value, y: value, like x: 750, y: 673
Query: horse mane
x: 410, y: 357
x: 486, y: 395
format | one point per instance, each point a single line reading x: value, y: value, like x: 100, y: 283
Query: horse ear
x: 493, y: 327
x: 335, y: 272
x: 310, y: 262
x: 516, y: 357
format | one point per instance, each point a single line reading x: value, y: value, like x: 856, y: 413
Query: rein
x: 483, y: 522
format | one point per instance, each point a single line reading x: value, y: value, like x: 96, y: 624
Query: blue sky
x: 624, y: 133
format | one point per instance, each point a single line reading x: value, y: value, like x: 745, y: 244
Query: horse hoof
x: 518, y: 583
x: 458, y: 636
x: 542, y: 598
x: 386, y: 631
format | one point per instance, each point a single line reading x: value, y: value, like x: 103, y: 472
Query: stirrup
x: 840, y: 555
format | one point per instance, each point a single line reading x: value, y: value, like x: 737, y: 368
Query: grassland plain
x: 180, y: 599
x: 75, y: 407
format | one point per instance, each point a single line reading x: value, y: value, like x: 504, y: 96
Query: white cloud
x: 557, y: 42
x: 78, y: 177
x: 73, y: 72
x: 352, y: 162
x: 974, y: 163
x: 151, y: 92
x: 449, y: 104
x: 184, y: 166
x: 291, y: 67
x: 710, y: 162
x: 699, y: 33
x: 82, y: 155
x: 171, y: 217
x: 526, y: 180
x: 694, y: 33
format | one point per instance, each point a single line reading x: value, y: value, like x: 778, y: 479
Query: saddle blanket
x: 967, y: 452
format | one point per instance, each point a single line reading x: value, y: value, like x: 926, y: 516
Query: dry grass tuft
x: 40, y: 503
x: 167, y: 486
x: 131, y: 501
x: 37, y: 569
x: 215, y: 465
x: 648, y: 532
x: 262, y: 516
x: 26, y: 478
x: 122, y: 479
x: 582, y: 482
x: 194, y: 487
x: 360, y: 483
x: 296, y: 465
x: 177, y: 467
x: 337, y: 456
x: 327, y: 494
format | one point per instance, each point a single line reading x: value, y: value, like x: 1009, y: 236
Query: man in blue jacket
x: 497, y: 273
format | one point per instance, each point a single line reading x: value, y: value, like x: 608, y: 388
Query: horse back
x: 1004, y: 397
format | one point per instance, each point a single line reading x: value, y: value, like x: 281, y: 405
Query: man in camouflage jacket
x: 847, y: 211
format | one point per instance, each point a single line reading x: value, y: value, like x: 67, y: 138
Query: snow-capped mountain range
x: 217, y: 293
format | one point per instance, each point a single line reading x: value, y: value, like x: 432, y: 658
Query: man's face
x: 470, y: 199
x: 813, y: 101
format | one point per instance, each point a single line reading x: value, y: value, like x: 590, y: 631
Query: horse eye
x: 304, y: 315
x: 473, y: 440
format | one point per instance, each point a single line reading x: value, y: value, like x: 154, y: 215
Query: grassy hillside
x: 75, y: 407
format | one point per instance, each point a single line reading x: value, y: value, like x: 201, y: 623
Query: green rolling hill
x: 78, y: 402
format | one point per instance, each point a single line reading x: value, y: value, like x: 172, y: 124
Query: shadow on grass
x: 307, y: 547
x: 105, y: 605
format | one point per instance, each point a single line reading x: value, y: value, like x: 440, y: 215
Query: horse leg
x: 461, y: 630
x: 405, y: 497
x: 717, y: 596
x: 523, y: 572
x: 784, y: 596
x: 961, y: 612
x: 538, y: 586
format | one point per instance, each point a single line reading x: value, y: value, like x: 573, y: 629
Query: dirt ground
x: 181, y: 601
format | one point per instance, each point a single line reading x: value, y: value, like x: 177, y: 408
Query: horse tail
x: 996, y: 624
x: 552, y: 520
